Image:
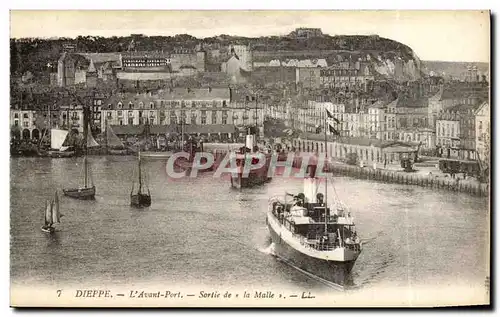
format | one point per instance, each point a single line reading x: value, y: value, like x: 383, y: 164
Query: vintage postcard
x: 249, y: 158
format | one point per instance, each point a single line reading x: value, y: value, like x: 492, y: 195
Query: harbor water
x: 201, y: 232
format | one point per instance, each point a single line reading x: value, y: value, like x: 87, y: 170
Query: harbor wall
x: 388, y: 176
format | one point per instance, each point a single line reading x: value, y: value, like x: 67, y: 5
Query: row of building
x: 458, y: 130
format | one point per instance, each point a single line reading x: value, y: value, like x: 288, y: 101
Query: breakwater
x: 451, y: 184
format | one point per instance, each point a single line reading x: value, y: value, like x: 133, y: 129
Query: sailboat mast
x: 85, y: 167
x: 140, y: 176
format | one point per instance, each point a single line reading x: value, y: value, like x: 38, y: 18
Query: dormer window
x: 141, y: 105
x: 130, y: 105
x: 120, y: 105
x: 151, y: 105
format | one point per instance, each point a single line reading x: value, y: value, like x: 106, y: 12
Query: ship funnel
x: 250, y: 141
x: 311, y: 189
x: 311, y: 181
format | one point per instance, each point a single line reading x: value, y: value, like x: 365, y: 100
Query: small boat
x: 140, y: 199
x: 52, y: 214
x: 87, y: 191
x: 57, y: 139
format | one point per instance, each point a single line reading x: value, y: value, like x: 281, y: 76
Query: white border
x: 199, y: 4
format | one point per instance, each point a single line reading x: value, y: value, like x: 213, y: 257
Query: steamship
x: 316, y: 237
x: 250, y: 154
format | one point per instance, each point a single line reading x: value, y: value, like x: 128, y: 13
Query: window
x: 121, y: 122
x: 480, y: 125
x: 203, y: 120
x: 109, y: 114
x: 16, y: 115
x: 16, y: 123
x: 224, y: 104
x: 151, y: 114
x: 25, y: 116
x: 131, y: 121
x: 214, y: 118
x: 120, y: 113
x: 224, y: 120
x: 25, y: 124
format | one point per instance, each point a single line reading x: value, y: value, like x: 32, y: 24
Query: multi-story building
x: 23, y: 123
x: 71, y: 117
x: 192, y: 107
x: 376, y: 120
x: 244, y: 55
x: 466, y: 117
x: 335, y: 77
x: 483, y: 140
x: 390, y: 119
x: 448, y: 133
x: 307, y: 77
x: 146, y: 60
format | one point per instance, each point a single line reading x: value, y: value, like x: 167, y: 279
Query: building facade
x: 483, y: 139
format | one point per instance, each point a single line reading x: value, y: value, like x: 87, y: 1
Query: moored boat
x: 140, y: 198
x: 249, y: 154
x: 87, y: 190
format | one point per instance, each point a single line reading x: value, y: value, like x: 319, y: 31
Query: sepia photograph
x: 203, y: 158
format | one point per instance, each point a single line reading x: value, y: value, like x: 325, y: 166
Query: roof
x: 163, y: 129
x: 127, y: 129
x: 201, y: 94
x: 99, y: 58
x: 146, y: 54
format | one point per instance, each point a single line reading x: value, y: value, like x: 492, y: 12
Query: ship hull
x: 118, y: 152
x: 253, y: 179
x: 327, y: 271
x: 80, y: 193
x: 61, y: 154
x: 140, y: 200
x: 48, y: 229
x: 187, y: 165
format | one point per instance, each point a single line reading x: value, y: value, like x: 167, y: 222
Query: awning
x: 399, y: 149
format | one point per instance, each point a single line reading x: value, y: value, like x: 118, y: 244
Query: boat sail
x: 114, y: 145
x: 58, y: 137
x: 140, y: 198
x: 52, y: 214
x: 87, y: 191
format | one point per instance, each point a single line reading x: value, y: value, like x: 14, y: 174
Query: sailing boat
x: 113, y: 143
x: 140, y: 199
x: 87, y: 191
x: 52, y: 214
x: 57, y: 139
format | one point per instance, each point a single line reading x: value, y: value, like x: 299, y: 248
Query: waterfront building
x: 201, y: 111
x: 483, y: 139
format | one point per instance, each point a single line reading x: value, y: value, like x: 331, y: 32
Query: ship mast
x: 140, y: 176
x: 326, y: 177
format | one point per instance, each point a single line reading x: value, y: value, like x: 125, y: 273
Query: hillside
x: 453, y: 69
x: 387, y: 57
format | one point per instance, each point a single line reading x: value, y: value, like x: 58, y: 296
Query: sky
x: 433, y: 35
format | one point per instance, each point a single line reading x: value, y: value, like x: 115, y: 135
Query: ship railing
x: 318, y: 246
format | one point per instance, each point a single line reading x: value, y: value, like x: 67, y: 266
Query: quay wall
x: 388, y: 176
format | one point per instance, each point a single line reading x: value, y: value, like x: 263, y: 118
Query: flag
x: 330, y: 116
x: 332, y: 130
